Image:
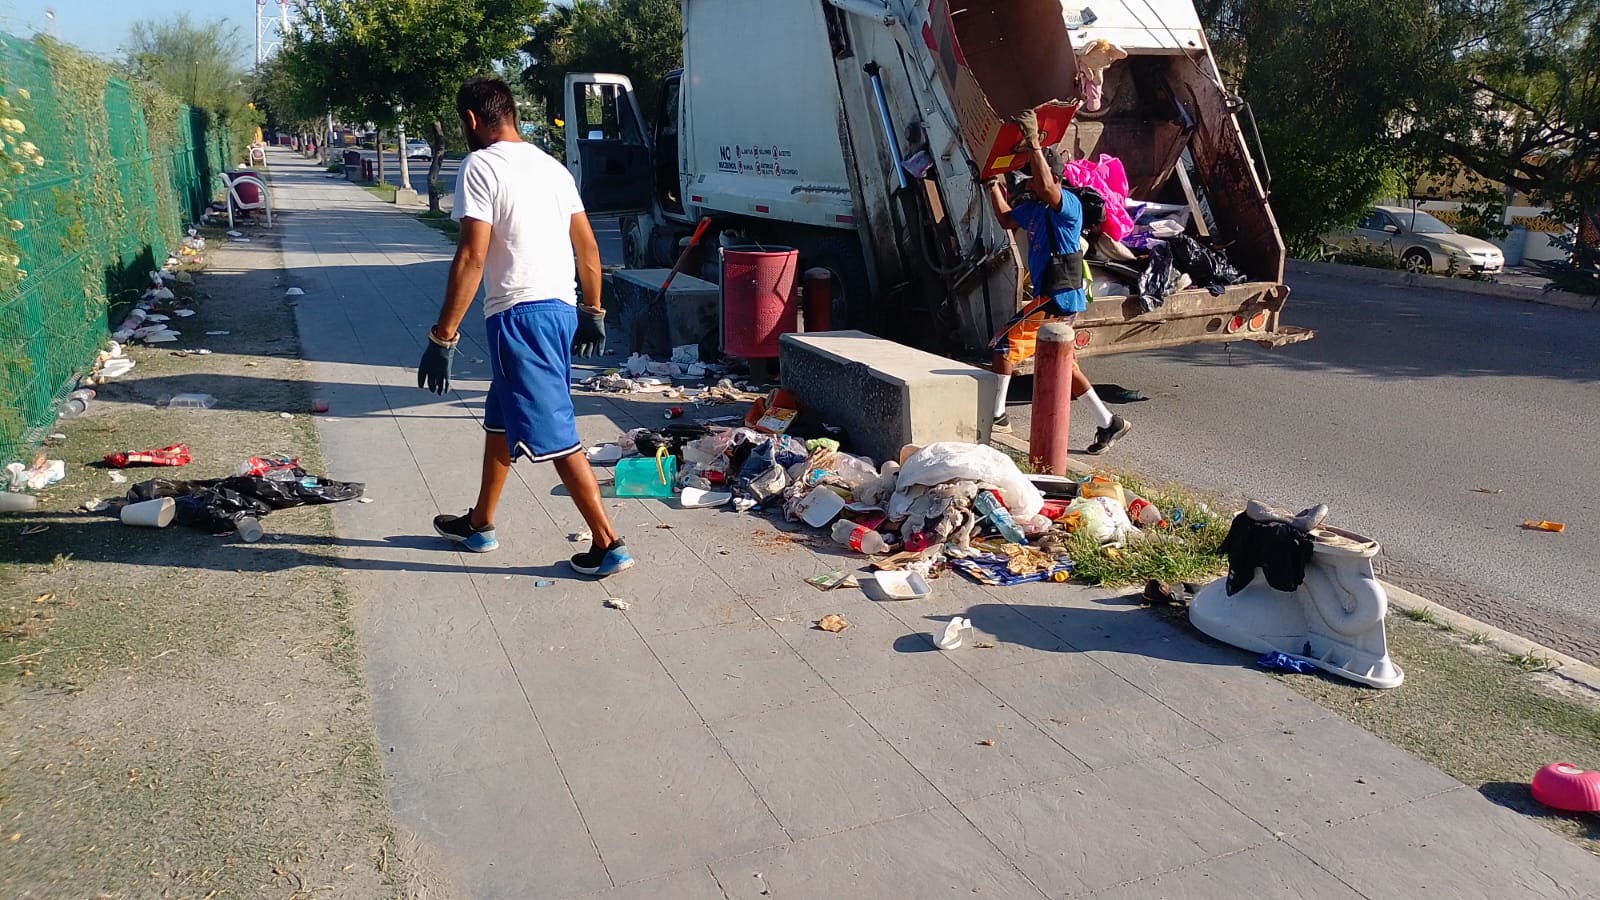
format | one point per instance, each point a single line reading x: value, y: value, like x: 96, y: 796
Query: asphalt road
x: 1406, y: 402
x: 419, y: 175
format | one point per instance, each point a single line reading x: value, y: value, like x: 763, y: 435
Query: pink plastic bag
x: 1107, y: 176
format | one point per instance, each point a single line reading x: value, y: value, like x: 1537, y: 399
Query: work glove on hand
x: 1028, y: 121
x: 591, y: 337
x: 433, y: 373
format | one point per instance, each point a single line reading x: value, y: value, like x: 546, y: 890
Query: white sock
x: 1101, y: 414
x: 1000, y: 397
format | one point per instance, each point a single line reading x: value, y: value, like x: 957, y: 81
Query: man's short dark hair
x: 489, y: 99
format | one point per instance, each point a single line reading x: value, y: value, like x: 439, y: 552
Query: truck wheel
x: 1417, y: 260
x: 852, y: 287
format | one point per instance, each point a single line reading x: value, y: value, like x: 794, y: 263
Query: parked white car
x: 418, y: 150
x: 1421, y: 242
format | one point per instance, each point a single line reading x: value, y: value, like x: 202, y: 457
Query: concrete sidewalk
x: 711, y: 743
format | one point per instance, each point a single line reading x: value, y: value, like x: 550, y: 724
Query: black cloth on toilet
x: 1281, y: 551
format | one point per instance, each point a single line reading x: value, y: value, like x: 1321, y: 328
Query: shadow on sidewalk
x: 1518, y: 797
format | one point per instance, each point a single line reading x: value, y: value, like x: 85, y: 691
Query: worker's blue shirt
x: 1067, y: 220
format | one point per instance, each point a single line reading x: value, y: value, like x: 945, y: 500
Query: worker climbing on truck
x: 1053, y: 218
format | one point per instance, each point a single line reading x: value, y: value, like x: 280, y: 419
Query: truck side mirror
x: 1392, y: 229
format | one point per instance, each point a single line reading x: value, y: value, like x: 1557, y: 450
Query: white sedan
x: 418, y: 150
x: 1421, y: 242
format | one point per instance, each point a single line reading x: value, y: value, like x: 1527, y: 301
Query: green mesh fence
x: 92, y: 195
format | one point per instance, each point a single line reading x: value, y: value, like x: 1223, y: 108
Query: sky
x: 101, y: 26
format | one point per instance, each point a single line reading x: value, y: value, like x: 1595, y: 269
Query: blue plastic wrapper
x: 1283, y: 662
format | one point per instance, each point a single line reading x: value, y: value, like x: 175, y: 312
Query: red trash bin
x: 760, y: 299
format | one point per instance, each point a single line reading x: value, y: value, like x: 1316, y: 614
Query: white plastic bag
x: 949, y: 461
x: 1102, y: 518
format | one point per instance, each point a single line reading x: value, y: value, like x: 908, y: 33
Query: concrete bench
x: 887, y: 395
x: 688, y: 315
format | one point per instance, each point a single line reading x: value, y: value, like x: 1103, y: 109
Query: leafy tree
x: 288, y: 103
x: 1353, y: 95
x: 642, y: 39
x: 370, y: 58
x: 197, y: 62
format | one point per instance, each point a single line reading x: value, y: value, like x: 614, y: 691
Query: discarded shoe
x: 1305, y: 520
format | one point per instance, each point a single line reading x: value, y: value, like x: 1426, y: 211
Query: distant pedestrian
x: 522, y: 226
x: 1053, y: 219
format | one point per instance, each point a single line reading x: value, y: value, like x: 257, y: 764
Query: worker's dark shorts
x: 530, y: 396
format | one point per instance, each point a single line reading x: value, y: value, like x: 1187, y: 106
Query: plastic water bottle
x: 991, y: 508
x: 859, y: 538
x: 250, y: 529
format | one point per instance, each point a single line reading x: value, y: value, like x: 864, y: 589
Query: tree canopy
x: 1355, y: 96
x: 379, y: 60
x: 642, y: 39
x: 198, y: 63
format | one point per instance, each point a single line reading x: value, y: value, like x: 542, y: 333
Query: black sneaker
x: 602, y: 562
x: 1002, y: 424
x: 459, y: 529
x: 1105, y: 437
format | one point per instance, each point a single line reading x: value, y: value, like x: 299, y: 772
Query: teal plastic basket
x: 647, y: 476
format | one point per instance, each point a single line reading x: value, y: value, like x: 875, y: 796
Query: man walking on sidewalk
x: 522, y: 226
x: 1053, y: 219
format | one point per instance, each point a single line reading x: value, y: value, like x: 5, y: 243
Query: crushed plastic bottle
x: 192, y: 401
x: 859, y: 538
x: 989, y: 506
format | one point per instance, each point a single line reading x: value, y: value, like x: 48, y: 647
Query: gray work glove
x: 590, y: 339
x: 433, y: 373
x: 1028, y: 121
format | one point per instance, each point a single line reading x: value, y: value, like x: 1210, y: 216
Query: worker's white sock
x: 1000, y: 397
x: 1102, y: 416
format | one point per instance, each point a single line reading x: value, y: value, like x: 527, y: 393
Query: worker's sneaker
x: 460, y: 530
x: 600, y: 563
x: 1002, y: 424
x: 1105, y: 437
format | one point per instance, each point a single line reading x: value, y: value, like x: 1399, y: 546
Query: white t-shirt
x: 528, y: 199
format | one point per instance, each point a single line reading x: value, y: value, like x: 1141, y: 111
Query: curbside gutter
x: 1565, y: 299
x: 1573, y: 672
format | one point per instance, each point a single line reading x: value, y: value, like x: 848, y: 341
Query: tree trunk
x: 436, y: 141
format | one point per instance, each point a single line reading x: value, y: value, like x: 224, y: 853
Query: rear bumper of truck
x: 1246, y: 312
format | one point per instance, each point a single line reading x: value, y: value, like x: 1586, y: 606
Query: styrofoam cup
x: 150, y: 513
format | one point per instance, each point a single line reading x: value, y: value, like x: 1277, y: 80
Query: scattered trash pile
x: 223, y: 505
x: 643, y: 375
x: 949, y: 505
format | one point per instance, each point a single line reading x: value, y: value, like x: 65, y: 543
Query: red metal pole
x: 1052, y: 398
x: 819, y: 299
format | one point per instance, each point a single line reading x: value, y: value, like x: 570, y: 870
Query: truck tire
x: 853, y: 305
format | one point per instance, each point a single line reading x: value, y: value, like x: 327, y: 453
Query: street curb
x: 1564, y: 299
x: 1568, y: 669
x: 1573, y: 671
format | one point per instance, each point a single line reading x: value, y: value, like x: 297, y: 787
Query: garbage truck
x: 862, y: 132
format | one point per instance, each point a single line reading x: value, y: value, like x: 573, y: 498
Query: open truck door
x: 607, y: 150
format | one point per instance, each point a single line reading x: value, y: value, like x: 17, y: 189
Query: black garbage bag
x: 673, y: 436
x: 1159, y: 279
x: 218, y: 504
x: 1208, y: 268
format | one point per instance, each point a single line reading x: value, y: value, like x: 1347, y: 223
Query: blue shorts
x: 530, y: 396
